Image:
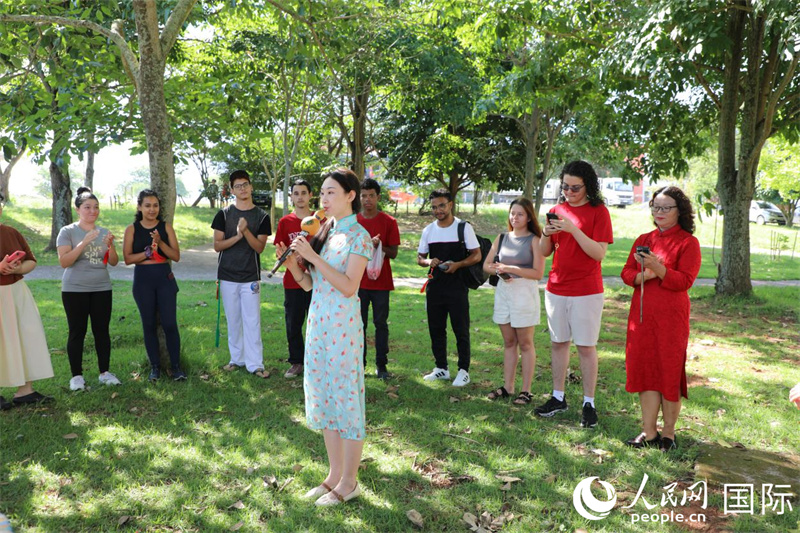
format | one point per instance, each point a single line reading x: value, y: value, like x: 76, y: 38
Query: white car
x: 764, y: 212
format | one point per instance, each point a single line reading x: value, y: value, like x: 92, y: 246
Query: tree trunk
x: 153, y: 107
x: 734, y: 269
x: 62, y: 202
x: 360, y: 105
x: 475, y: 200
x: 5, y: 175
x: 88, y: 180
x: 529, y: 124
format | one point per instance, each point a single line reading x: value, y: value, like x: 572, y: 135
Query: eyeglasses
x: 662, y: 208
x: 241, y: 186
x: 439, y: 207
x: 573, y: 188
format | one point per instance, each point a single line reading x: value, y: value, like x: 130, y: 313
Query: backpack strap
x: 461, y: 226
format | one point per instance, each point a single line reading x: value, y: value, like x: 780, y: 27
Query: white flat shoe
x: 334, y: 498
x: 316, y: 492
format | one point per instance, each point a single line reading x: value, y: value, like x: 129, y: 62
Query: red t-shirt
x: 288, y: 229
x: 385, y: 226
x: 573, y: 272
x: 10, y: 241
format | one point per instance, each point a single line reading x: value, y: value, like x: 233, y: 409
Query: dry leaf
x: 204, y: 376
x: 453, y: 399
x: 468, y: 430
x: 470, y: 519
x: 393, y: 388
x: 123, y: 520
x: 550, y: 479
x: 238, y: 505
x: 724, y: 444
x: 286, y: 484
x: 601, y: 453
x: 114, y: 395
x: 508, y: 479
x: 201, y: 304
x: 392, y: 395
x: 237, y: 526
x: 482, y: 418
x: 270, y: 481
x: 297, y: 468
x: 415, y: 518
x: 70, y: 436
x: 507, y: 486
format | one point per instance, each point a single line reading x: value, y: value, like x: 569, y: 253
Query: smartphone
x: 19, y: 254
x: 504, y: 275
x: 551, y: 217
x: 643, y: 250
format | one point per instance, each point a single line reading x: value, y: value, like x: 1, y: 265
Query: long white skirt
x: 23, y: 348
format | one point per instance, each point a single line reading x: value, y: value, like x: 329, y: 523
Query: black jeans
x: 380, y: 316
x: 440, y: 304
x: 155, y: 290
x: 295, y: 307
x: 79, y: 306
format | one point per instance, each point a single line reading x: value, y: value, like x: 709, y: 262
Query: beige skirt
x: 23, y: 348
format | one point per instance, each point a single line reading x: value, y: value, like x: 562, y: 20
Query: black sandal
x: 498, y: 393
x: 524, y: 398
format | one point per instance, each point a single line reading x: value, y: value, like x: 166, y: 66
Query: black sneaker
x: 155, y: 373
x: 640, y: 441
x: 4, y: 405
x: 382, y: 373
x: 178, y: 374
x: 552, y: 407
x: 589, y: 416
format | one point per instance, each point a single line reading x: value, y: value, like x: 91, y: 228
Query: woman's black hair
x: 584, y: 171
x: 685, y: 211
x: 145, y: 194
x: 527, y: 205
x: 83, y: 194
x: 349, y: 182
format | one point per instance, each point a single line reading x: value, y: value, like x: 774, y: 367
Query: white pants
x: 242, y: 302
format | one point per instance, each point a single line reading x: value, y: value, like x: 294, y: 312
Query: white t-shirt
x: 435, y: 233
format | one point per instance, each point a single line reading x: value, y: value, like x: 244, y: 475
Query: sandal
x: 524, y: 398
x: 261, y: 373
x: 230, y: 367
x: 498, y: 393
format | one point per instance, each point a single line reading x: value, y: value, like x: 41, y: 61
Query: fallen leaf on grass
x: 415, y: 518
x: 270, y: 481
x: 739, y: 445
x: 201, y: 304
x: 453, y: 399
x: 285, y: 484
x: 204, y: 376
x: 507, y: 486
x: 114, y: 395
x: 393, y: 388
x: 482, y: 417
x: 601, y: 453
x: 724, y: 444
x: 550, y: 479
x: 392, y: 395
x: 70, y: 436
x: 508, y: 479
x: 238, y: 505
x: 297, y: 468
x: 237, y: 526
x: 123, y: 520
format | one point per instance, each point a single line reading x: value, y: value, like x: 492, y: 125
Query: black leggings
x: 155, y: 291
x: 79, y: 306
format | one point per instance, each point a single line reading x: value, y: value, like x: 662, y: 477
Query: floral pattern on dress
x: 333, y: 378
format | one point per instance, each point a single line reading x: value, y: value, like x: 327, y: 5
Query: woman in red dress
x: 668, y: 258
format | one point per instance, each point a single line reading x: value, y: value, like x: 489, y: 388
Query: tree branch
x: 115, y: 36
x: 175, y: 24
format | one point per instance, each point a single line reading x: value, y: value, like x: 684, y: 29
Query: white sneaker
x: 77, y: 383
x: 107, y: 378
x: 462, y: 378
x: 438, y: 373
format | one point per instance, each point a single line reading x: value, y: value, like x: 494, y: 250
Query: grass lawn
x: 227, y: 451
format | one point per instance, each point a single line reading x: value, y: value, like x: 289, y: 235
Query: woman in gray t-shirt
x: 84, y: 250
x: 516, y: 259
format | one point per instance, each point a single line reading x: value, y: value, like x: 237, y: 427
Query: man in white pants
x: 240, y: 235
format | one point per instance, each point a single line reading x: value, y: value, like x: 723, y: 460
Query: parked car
x: 764, y: 212
x: 616, y: 192
x: 262, y: 199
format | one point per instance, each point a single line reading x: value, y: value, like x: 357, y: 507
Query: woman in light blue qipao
x: 334, y: 370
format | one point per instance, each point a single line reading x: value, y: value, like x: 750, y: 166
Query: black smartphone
x: 643, y: 250
x: 504, y: 275
x: 551, y: 217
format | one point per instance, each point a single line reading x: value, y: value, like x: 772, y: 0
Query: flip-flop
x: 231, y: 367
x: 261, y: 373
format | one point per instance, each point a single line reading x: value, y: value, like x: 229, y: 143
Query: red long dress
x: 655, y: 351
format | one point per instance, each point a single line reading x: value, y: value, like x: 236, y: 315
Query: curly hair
x: 685, y: 211
x: 145, y: 193
x: 584, y: 171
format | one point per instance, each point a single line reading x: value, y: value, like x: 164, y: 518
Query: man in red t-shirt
x: 578, y: 233
x: 295, y: 299
x: 383, y: 229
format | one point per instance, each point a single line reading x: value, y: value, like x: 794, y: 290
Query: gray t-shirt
x: 516, y: 251
x: 88, y: 273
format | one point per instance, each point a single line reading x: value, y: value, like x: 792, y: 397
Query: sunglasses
x: 573, y: 188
